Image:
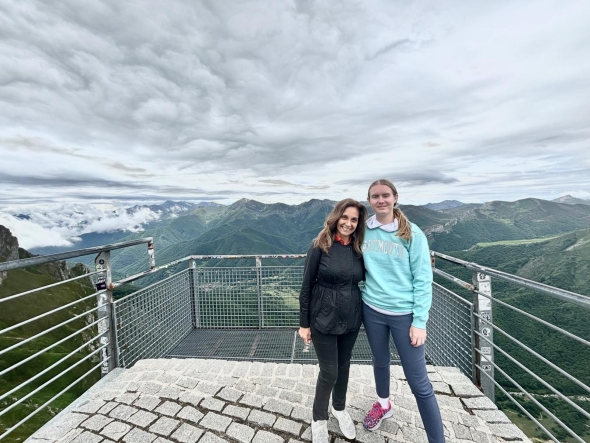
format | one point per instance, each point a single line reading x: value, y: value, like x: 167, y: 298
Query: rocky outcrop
x: 8, y: 248
x: 58, y: 270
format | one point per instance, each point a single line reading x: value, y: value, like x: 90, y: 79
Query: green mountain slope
x: 23, y: 308
x: 564, y: 262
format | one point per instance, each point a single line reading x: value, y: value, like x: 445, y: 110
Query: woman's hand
x: 417, y: 336
x: 305, y: 334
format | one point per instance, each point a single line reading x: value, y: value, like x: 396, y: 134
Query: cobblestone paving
x: 215, y: 401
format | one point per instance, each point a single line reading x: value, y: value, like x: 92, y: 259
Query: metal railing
x: 40, y: 352
x: 535, y: 381
x: 151, y: 321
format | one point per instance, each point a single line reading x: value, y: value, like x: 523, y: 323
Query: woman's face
x: 382, y: 200
x: 347, y: 223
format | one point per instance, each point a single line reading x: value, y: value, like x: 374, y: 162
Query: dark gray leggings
x: 379, y: 326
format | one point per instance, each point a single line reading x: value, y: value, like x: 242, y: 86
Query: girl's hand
x: 417, y: 336
x: 305, y: 334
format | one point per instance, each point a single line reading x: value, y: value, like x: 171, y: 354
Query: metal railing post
x: 192, y: 276
x: 106, y: 324
x: 482, y: 305
x: 259, y: 290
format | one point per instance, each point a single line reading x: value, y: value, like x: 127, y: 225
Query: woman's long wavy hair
x: 326, y: 236
x: 405, y: 228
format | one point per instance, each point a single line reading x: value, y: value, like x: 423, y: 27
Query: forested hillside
x: 562, y: 261
x: 17, y: 310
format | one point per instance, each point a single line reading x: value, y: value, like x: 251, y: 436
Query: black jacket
x: 330, y: 298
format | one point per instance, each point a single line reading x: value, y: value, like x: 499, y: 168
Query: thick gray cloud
x: 286, y: 101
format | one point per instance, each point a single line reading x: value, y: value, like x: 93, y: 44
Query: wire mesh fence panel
x: 252, y: 345
x: 151, y: 321
x: 226, y: 298
x: 280, y: 287
x: 449, y: 331
x: 267, y: 344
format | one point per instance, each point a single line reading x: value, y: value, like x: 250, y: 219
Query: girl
x: 396, y: 299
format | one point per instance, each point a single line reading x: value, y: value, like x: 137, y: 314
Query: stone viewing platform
x: 212, y: 401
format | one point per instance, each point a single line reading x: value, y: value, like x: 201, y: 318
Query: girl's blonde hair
x: 326, y: 236
x: 405, y: 228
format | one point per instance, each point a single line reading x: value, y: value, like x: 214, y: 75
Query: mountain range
x: 545, y: 241
x: 252, y: 227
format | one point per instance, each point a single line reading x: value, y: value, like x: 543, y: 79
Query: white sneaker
x: 319, y: 431
x: 345, y: 422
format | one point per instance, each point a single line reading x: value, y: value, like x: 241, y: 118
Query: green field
x: 516, y: 242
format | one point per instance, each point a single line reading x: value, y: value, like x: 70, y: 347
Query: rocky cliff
x: 59, y: 270
x: 8, y: 248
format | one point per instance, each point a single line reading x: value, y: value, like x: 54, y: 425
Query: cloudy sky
x: 146, y: 100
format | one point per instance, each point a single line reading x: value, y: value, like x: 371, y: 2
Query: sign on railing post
x: 484, y: 355
x: 104, y: 301
x: 259, y: 291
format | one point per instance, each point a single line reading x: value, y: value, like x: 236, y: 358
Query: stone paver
x: 169, y: 392
x: 414, y: 435
x: 189, y: 413
x: 236, y: 411
x: 267, y: 437
x: 215, y: 422
x: 211, y: 438
x: 507, y: 431
x: 212, y: 404
x: 479, y: 403
x: 208, y: 388
x: 123, y: 412
x: 230, y: 394
x: 493, y: 416
x: 164, y: 426
x: 187, y: 433
x: 138, y: 436
x: 168, y: 408
x: 261, y: 418
x: 87, y: 437
x: 96, y: 422
x: 187, y: 382
x: 108, y: 407
x: 289, y: 426
x: 461, y: 431
x: 465, y: 390
x: 301, y: 414
x: 190, y: 398
x: 278, y: 406
x: 115, y: 430
x: 242, y: 433
x: 214, y: 401
x: 148, y: 402
x: 127, y: 398
x: 91, y: 406
x: 142, y: 419
x: 252, y: 400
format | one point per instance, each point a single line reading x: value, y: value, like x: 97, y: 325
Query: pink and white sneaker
x: 376, y: 415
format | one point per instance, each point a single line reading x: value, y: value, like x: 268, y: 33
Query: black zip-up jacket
x: 330, y: 298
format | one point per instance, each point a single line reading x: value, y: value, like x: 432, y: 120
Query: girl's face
x: 347, y: 223
x: 382, y: 200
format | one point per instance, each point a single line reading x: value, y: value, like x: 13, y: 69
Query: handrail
x: 53, y: 285
x: 199, y: 257
x: 25, y: 262
x: 562, y: 294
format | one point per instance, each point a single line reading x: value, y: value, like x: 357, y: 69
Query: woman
x: 330, y: 310
x: 396, y: 299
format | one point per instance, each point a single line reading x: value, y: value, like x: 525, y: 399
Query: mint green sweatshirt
x: 398, y: 273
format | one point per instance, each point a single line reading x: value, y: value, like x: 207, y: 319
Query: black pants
x: 334, y: 353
